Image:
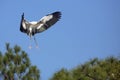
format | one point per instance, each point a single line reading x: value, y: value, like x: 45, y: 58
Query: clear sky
x: 87, y: 29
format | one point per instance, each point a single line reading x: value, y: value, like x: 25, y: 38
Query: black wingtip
x: 57, y: 14
x: 23, y: 15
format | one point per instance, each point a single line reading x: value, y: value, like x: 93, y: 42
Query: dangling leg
x: 30, y: 45
x: 35, y: 42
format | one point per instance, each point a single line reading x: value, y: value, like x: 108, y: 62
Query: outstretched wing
x: 23, y: 24
x: 47, y: 21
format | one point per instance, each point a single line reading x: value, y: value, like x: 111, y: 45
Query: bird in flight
x: 34, y: 27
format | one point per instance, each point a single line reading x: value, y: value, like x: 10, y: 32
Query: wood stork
x: 34, y: 27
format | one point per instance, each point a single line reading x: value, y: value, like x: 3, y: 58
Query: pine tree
x: 63, y: 74
x: 95, y: 69
x: 15, y: 65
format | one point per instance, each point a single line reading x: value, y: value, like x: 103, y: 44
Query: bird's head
x: 29, y: 31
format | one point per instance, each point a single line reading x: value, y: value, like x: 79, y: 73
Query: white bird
x: 31, y: 28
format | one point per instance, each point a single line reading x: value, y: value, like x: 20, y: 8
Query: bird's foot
x: 30, y: 47
x: 37, y: 46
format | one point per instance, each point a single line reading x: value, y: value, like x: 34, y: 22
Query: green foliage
x: 15, y: 64
x: 107, y: 69
x: 63, y: 74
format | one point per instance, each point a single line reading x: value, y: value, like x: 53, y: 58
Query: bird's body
x: 34, y: 27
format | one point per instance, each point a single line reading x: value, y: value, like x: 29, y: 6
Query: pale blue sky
x: 87, y: 29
